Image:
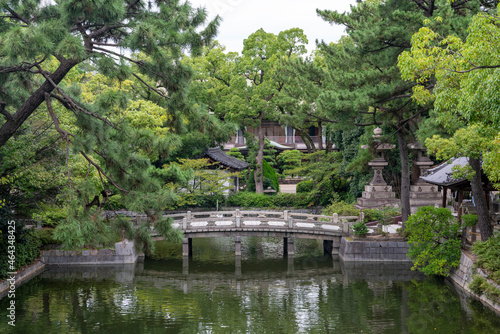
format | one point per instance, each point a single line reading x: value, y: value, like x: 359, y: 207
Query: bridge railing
x: 256, y: 219
x: 262, y: 219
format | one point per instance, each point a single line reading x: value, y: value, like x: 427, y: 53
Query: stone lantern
x: 377, y: 193
x: 422, y: 193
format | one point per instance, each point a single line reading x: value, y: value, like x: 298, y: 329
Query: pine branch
x: 150, y: 87
x: 4, y: 112
x: 69, y: 102
x: 18, y: 16
x: 64, y: 133
x: 101, y: 171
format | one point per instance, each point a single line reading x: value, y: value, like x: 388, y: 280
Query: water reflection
x: 308, y: 294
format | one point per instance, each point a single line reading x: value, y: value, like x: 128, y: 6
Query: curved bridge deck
x: 283, y: 224
x: 261, y: 223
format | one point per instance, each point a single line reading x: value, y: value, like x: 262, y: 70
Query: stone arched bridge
x: 284, y: 224
x: 239, y: 223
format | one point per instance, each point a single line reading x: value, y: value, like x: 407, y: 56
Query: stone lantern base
x: 376, y: 196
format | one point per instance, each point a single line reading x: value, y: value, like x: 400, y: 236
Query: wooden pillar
x: 327, y: 247
x: 445, y: 190
x: 460, y: 201
x: 237, y: 246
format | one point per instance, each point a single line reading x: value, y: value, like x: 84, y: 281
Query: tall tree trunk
x: 405, y: 175
x: 258, y: 173
x: 38, y: 97
x: 483, y: 214
x: 320, y: 136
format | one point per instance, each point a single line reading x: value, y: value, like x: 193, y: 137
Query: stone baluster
x: 345, y: 227
x: 238, y: 218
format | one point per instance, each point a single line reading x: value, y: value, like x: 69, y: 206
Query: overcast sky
x: 241, y: 18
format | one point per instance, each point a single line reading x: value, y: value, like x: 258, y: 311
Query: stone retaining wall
x: 463, y: 275
x: 124, y: 252
x: 22, y: 277
x: 386, y: 251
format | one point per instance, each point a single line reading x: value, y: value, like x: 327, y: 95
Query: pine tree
x: 365, y: 86
x: 121, y: 40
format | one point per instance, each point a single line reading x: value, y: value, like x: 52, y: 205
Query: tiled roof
x: 217, y: 154
x: 442, y: 174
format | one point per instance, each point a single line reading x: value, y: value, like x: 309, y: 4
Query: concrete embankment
x: 22, y: 277
x: 366, y: 250
x: 124, y: 252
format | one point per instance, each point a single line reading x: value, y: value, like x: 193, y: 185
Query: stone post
x: 290, y: 222
x: 237, y: 246
x: 185, y: 247
x: 185, y: 265
x: 285, y: 215
x: 345, y: 227
x: 290, y: 247
x: 237, y: 266
x: 238, y: 218
x: 184, y: 224
x: 188, y: 215
x: 335, y: 218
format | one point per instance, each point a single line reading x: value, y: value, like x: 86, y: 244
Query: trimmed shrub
x: 305, y: 186
x: 342, y: 208
x: 253, y: 200
x: 383, y: 215
x: 360, y: 229
x: 270, y: 173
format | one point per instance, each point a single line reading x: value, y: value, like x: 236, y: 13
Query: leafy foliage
x: 288, y: 161
x: 434, y: 239
x: 305, y: 186
x: 270, y: 173
x: 383, y: 216
x: 488, y: 257
x: 281, y: 200
x: 235, y: 153
x: 342, y: 208
x: 360, y: 229
x: 27, y: 247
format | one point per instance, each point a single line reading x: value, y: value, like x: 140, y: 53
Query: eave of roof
x: 442, y: 175
x: 216, y: 154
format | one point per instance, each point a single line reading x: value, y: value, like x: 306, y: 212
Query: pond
x: 261, y: 292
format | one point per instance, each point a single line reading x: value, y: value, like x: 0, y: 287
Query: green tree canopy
x: 465, y: 72
x: 365, y: 86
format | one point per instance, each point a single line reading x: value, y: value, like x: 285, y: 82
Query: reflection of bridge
x: 314, y: 269
x: 282, y: 224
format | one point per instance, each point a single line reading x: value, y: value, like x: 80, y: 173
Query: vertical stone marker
x: 423, y: 193
x: 378, y: 193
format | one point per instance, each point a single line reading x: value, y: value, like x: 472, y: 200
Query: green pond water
x: 261, y: 292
